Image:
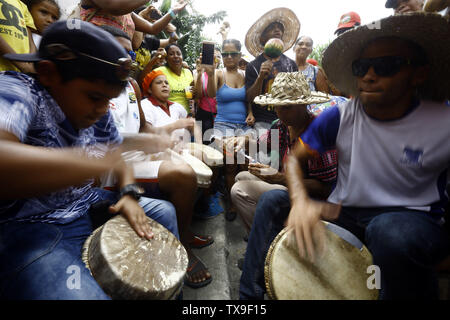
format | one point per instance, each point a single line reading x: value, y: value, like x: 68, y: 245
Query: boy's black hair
x: 31, y: 3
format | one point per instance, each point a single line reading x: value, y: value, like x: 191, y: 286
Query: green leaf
x: 165, y: 6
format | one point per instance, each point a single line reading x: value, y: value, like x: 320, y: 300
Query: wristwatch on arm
x: 132, y: 189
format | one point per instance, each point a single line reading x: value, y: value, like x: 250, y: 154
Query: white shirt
x: 125, y: 111
x: 398, y: 163
x: 157, y: 117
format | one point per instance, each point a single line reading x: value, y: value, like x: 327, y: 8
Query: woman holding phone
x: 234, y: 115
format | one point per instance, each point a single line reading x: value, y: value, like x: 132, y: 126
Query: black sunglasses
x: 383, y: 66
x: 58, y: 51
x: 232, y: 54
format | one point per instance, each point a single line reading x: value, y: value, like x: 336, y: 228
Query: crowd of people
x: 360, y: 138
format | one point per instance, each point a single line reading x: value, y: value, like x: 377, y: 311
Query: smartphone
x: 208, y: 52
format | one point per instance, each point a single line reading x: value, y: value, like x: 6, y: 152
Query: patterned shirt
x: 29, y: 112
x: 322, y: 167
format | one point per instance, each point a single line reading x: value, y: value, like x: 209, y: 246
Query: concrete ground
x: 221, y: 258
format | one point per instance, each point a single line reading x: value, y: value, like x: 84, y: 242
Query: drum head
x: 128, y: 267
x: 211, y: 156
x: 339, y: 274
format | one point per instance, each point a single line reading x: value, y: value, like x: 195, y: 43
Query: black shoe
x: 246, y: 238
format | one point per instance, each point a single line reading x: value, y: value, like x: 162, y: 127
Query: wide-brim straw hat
x: 436, y: 5
x: 428, y: 30
x: 284, y: 16
x: 291, y: 88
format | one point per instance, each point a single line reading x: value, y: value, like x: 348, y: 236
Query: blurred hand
x: 186, y: 123
x: 178, y: 6
x: 305, y: 221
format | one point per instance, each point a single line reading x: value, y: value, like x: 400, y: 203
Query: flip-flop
x: 194, y: 268
x: 201, y: 241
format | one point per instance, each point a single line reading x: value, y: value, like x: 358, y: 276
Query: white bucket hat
x: 291, y: 88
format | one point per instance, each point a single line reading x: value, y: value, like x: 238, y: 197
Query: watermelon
x: 274, y: 48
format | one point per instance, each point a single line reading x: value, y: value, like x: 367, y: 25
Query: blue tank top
x: 231, y: 105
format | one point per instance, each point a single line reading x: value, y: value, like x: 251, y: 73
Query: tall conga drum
x: 128, y: 267
x: 339, y: 274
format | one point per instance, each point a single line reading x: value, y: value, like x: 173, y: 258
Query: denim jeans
x: 43, y: 261
x: 405, y: 244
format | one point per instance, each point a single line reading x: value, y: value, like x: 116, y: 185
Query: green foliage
x: 189, y: 28
x: 318, y: 51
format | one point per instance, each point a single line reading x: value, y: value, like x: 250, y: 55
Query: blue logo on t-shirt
x: 412, y: 157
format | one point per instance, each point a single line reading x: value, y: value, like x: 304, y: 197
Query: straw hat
x: 436, y: 5
x: 291, y: 88
x: 428, y: 30
x: 284, y: 16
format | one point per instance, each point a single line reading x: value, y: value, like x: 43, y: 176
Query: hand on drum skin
x: 128, y: 207
x: 305, y: 221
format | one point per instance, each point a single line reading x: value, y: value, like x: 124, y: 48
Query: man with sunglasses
x: 394, y: 151
x: 56, y: 137
x: 393, y: 148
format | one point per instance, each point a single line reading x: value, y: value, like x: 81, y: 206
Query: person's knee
x: 274, y: 199
x: 237, y: 191
x: 393, y: 235
x: 243, y: 176
x: 177, y: 175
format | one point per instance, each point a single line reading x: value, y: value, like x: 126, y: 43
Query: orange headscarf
x: 147, y: 82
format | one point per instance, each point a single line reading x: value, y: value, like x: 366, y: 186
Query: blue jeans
x: 405, y: 244
x: 43, y: 261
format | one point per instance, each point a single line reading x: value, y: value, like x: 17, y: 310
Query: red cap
x: 312, y: 61
x: 349, y: 20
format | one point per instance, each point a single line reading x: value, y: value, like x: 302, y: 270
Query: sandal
x: 201, y: 241
x: 193, y: 269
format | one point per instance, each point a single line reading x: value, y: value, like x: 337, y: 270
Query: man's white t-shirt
x: 398, y: 163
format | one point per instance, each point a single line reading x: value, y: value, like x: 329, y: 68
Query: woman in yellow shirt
x: 180, y: 79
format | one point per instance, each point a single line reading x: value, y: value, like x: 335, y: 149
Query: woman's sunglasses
x: 383, y: 66
x: 232, y: 54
